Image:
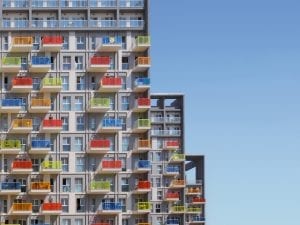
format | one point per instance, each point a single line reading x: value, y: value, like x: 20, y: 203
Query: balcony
x: 143, y: 207
x: 197, y: 220
x: 73, y: 23
x: 111, y: 125
x: 110, y: 44
x: 21, y: 167
x: 21, y: 209
x: 103, y: 23
x: 110, y: 84
x: 11, y: 64
x: 111, y: 166
x: 142, y: 146
x: 173, y: 222
x: 51, y: 208
x: 194, y: 210
x: 99, y: 187
x: 197, y: 201
x: 143, y: 187
x: 51, y: 126
x: 172, y: 196
x: 40, y: 188
x: 142, y: 125
x: 40, y: 64
x: 73, y: 3
x: 142, y: 43
x: 143, y: 166
x: 141, y: 84
x: 14, y: 4
x: 103, y: 3
x: 176, y: 157
x: 40, y: 147
x: 110, y: 208
x: 194, y: 191
x: 45, y: 24
x: 100, y: 146
x: 142, y: 64
x: 16, y: 23
x: 10, y: 188
x: 142, y: 105
x: 44, y: 3
x: 99, y: 64
x: 131, y: 3
x: 171, y: 145
x: 177, y: 209
x: 99, y: 105
x: 52, y: 43
x: 172, y: 171
x: 21, y: 126
x: 135, y: 24
x: 177, y: 184
x: 11, y: 105
x: 166, y: 133
x: 40, y: 105
x: 21, y: 84
x: 143, y: 224
x: 51, y: 167
x: 21, y: 44
x: 10, y: 146
x: 50, y: 84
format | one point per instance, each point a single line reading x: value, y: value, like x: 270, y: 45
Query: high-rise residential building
x: 82, y: 141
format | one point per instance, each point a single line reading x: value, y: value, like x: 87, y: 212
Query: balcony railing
x: 52, y: 40
x: 103, y: 23
x: 22, y: 81
x: 35, y: 102
x: 40, y: 144
x: 166, y: 132
x: 173, y: 195
x: 55, y: 165
x: 13, y: 102
x: 131, y: 23
x: 178, y: 208
x: 22, y: 206
x: 131, y: 3
x: 51, y: 81
x: 22, y: 41
x: 144, y: 206
x: 73, y: 23
x: 196, y: 200
x: 103, y: 3
x: 100, y: 143
x: 111, y: 206
x: 194, y: 209
x: 10, y: 186
x: 143, y: 164
x: 22, y: 123
x: 173, y: 221
x: 143, y: 123
x: 177, y: 183
x: 194, y: 190
x: 100, y: 102
x: 100, y: 60
x: 142, y: 40
x: 73, y: 3
x: 143, y: 102
x: 112, y: 164
x: 172, y: 169
x: 177, y: 157
x: 11, y: 61
x: 45, y: 23
x: 171, y: 144
x: 144, y: 144
x: 37, y: 60
x: 142, y: 61
x: 10, y: 144
x: 111, y: 81
x: 51, y: 206
x: 52, y: 123
x: 117, y: 40
x: 40, y: 186
x: 15, y: 3
x: 22, y: 164
x: 142, y: 81
x: 144, y: 185
x: 44, y: 3
x: 198, y: 219
x: 111, y: 123
x: 100, y: 185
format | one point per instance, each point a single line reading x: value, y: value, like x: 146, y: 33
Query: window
x: 159, y: 195
x: 157, y: 182
x: 65, y: 207
x: 78, y: 221
x: 123, y: 83
x: 125, y: 144
x: 159, y: 169
x: 65, y: 164
x: 78, y: 145
x: 112, y: 102
x: 124, y: 45
x: 65, y: 123
x: 67, y: 63
x: 124, y: 184
x: 92, y: 123
x: 125, y: 63
x: 66, y: 103
x: 93, y: 43
x: 80, y: 164
x: 24, y: 63
x: 80, y: 205
x: 157, y: 156
x: 123, y: 122
x: 78, y: 103
x: 66, y: 144
x: 112, y: 144
x: 124, y: 103
x: 66, y: 184
x: 80, y: 42
x: 78, y: 185
x: 65, y: 82
x: 80, y: 123
x: 36, y: 82
x: 80, y: 83
x: 5, y: 43
x: 65, y: 42
x: 159, y: 220
x: 79, y: 62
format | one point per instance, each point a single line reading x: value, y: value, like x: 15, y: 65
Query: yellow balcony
x: 177, y: 209
x: 142, y: 43
x: 21, y: 44
x: 194, y: 190
x: 11, y: 64
x: 194, y: 210
x: 50, y: 84
x: 40, y: 105
x: 99, y: 105
x: 51, y: 167
x: 177, y: 184
x: 10, y: 146
x: 142, y: 64
x: 144, y: 207
x: 142, y: 125
x: 21, y: 209
x: 39, y: 188
x: 99, y: 187
x: 21, y: 126
x: 176, y: 157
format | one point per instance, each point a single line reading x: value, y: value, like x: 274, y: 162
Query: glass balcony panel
x: 111, y: 123
x: 103, y: 3
x: 51, y: 165
x: 15, y: 3
x: 131, y: 3
x: 40, y: 144
x: 10, y: 186
x: 10, y: 144
x: 44, y: 3
x: 112, y: 164
x: 111, y: 206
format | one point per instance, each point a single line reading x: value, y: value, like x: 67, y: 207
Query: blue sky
x: 238, y: 63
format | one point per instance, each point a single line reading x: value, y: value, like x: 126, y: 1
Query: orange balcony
x: 100, y: 224
x: 99, y: 146
x: 142, y: 105
x: 143, y: 187
x: 197, y: 200
x: 51, y: 208
x: 21, y: 167
x: 21, y: 44
x: 21, y: 126
x: 21, y: 209
x: 171, y: 145
x: 51, y: 126
x: 99, y: 64
x: 110, y: 84
x: 21, y: 84
x: 40, y: 105
x: 142, y: 146
x: 38, y: 188
x: 142, y: 64
x: 172, y: 196
x: 52, y: 43
x: 194, y: 191
x: 111, y: 166
x: 177, y: 184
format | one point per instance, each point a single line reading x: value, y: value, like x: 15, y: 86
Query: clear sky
x: 238, y: 63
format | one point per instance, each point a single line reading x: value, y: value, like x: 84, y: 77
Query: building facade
x: 81, y: 142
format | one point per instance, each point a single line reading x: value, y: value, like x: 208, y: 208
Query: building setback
x: 82, y: 140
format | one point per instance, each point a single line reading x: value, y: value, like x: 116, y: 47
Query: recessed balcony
x: 177, y: 209
x: 171, y: 145
x: 50, y: 84
x: 40, y: 188
x: 142, y: 105
x: 21, y: 167
x: 21, y: 44
x: 21, y: 209
x: 194, y: 191
x: 99, y: 187
x: 11, y: 64
x: 142, y: 187
x: 177, y: 184
x: 99, y: 64
x: 51, y: 126
x: 21, y: 84
x: 142, y: 64
x: 144, y: 207
x: 111, y: 126
x: 142, y: 146
x: 10, y: 188
x: 172, y: 196
x: 141, y: 84
x: 177, y: 157
x: 99, y: 105
x: 52, y: 43
x: 142, y: 166
x: 172, y: 171
x: 110, y: 44
x: 100, y: 146
x: 40, y: 147
x: 142, y: 43
x: 40, y: 64
x: 21, y: 126
x: 110, y: 208
x: 10, y: 146
x: 111, y: 166
x: 142, y: 125
x: 11, y: 105
x: 51, y: 167
x: 110, y: 84
x: 51, y: 208
x: 40, y: 105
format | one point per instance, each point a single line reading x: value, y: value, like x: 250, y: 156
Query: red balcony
x: 198, y: 200
x: 142, y: 105
x: 143, y: 187
x: 21, y: 167
x: 99, y: 64
x: 110, y: 84
x: 51, y: 208
x: 111, y: 166
x: 52, y: 43
x: 99, y: 146
x: 51, y: 126
x: 21, y: 84
x: 171, y: 145
x: 172, y: 196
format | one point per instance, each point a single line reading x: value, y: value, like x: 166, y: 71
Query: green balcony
x: 195, y: 210
x: 176, y: 157
x: 10, y: 146
x: 142, y: 125
x: 178, y: 209
x: 98, y: 187
x: 11, y: 64
x: 50, y: 84
x: 142, y: 43
x: 99, y: 105
x: 51, y: 167
x: 144, y: 207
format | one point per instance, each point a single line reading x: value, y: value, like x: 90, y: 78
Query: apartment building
x: 77, y: 142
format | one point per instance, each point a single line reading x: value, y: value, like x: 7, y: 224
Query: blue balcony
x: 103, y: 3
x: 45, y: 23
x: 131, y: 3
x: 40, y: 147
x: 143, y: 166
x: 73, y: 23
x: 131, y: 23
x: 11, y: 102
x: 111, y: 125
x: 110, y: 44
x: 15, y: 4
x: 112, y: 206
x: 172, y: 170
x: 11, y: 105
x: 141, y: 84
x: 44, y: 3
x: 40, y: 64
x: 73, y: 4
x: 198, y: 219
x: 172, y: 221
x: 10, y: 188
x: 103, y: 23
